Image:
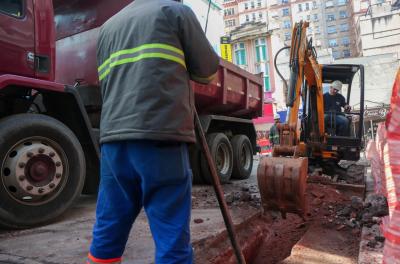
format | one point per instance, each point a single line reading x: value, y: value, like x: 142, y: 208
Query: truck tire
x: 242, y: 157
x: 42, y: 170
x: 221, y: 152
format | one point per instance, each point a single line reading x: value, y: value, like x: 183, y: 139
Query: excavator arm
x: 305, y: 83
x: 282, y: 178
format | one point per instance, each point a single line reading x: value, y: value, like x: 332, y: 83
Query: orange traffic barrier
x: 384, y: 155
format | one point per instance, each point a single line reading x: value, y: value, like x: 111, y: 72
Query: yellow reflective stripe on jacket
x: 140, y: 57
x: 155, y: 50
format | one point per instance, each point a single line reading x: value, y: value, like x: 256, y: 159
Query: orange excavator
x: 307, y: 137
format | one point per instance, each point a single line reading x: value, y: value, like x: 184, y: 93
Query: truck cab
x: 27, y: 39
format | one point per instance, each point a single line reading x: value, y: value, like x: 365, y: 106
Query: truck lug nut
x: 41, y: 190
x: 41, y: 150
x: 29, y: 188
x: 52, y: 154
x: 21, y: 177
x: 58, y: 175
x: 29, y: 154
x: 21, y: 165
x: 58, y: 163
x: 52, y: 185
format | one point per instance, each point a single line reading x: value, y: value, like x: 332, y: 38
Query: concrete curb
x: 367, y: 254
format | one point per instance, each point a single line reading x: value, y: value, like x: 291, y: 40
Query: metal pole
x: 372, y: 129
x: 208, y: 14
x: 219, y: 192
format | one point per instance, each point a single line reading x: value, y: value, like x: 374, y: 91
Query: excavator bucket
x: 282, y: 183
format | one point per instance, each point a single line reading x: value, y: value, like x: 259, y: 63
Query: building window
x: 287, y: 36
x: 342, y: 2
x: 286, y: 24
x: 230, y: 23
x: 254, y: 16
x: 260, y: 15
x: 365, y: 5
x: 346, y: 41
x: 308, y: 17
x: 342, y: 14
x: 317, y: 31
x: 328, y: 4
x: 300, y: 6
x: 259, y: 3
x: 307, y: 6
x: 246, y: 6
x: 346, y: 53
x: 309, y: 30
x: 315, y: 17
x: 285, y: 12
x: 247, y: 18
x: 285, y: 1
x: 330, y: 17
x: 261, y: 50
x: 267, y: 85
x: 12, y: 8
x: 332, y: 43
x: 344, y: 27
x: 331, y: 29
x: 314, y: 5
x: 380, y: 1
x: 336, y: 54
x: 240, y: 53
x: 229, y: 11
x: 252, y: 5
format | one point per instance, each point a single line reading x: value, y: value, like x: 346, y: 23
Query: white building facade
x: 215, y: 24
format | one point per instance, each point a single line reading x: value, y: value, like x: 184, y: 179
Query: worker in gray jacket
x: 147, y: 54
x: 273, y: 131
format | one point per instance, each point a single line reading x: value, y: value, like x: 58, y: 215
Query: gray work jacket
x: 147, y: 53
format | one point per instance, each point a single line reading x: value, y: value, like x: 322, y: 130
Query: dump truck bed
x: 234, y: 92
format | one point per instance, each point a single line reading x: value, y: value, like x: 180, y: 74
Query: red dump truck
x: 50, y: 106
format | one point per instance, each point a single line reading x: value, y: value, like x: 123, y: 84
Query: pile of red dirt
x: 270, y: 239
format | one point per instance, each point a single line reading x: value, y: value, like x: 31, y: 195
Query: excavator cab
x: 347, y: 144
x: 307, y: 137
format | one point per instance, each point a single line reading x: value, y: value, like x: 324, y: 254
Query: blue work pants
x: 155, y: 175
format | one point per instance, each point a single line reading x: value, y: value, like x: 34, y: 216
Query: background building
x: 330, y: 22
x: 251, y: 44
x: 215, y: 28
x: 378, y: 30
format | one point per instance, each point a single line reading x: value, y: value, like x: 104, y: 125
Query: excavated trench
x: 267, y: 239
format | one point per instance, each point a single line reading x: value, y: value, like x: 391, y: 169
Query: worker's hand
x: 347, y: 108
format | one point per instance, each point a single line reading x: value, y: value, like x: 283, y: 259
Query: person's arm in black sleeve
x: 343, y: 104
x: 342, y: 101
x: 201, y: 60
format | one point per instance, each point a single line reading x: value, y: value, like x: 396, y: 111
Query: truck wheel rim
x: 34, y: 171
x: 222, y: 159
x: 245, y: 157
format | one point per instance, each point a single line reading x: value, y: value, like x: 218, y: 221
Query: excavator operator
x: 335, y: 120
